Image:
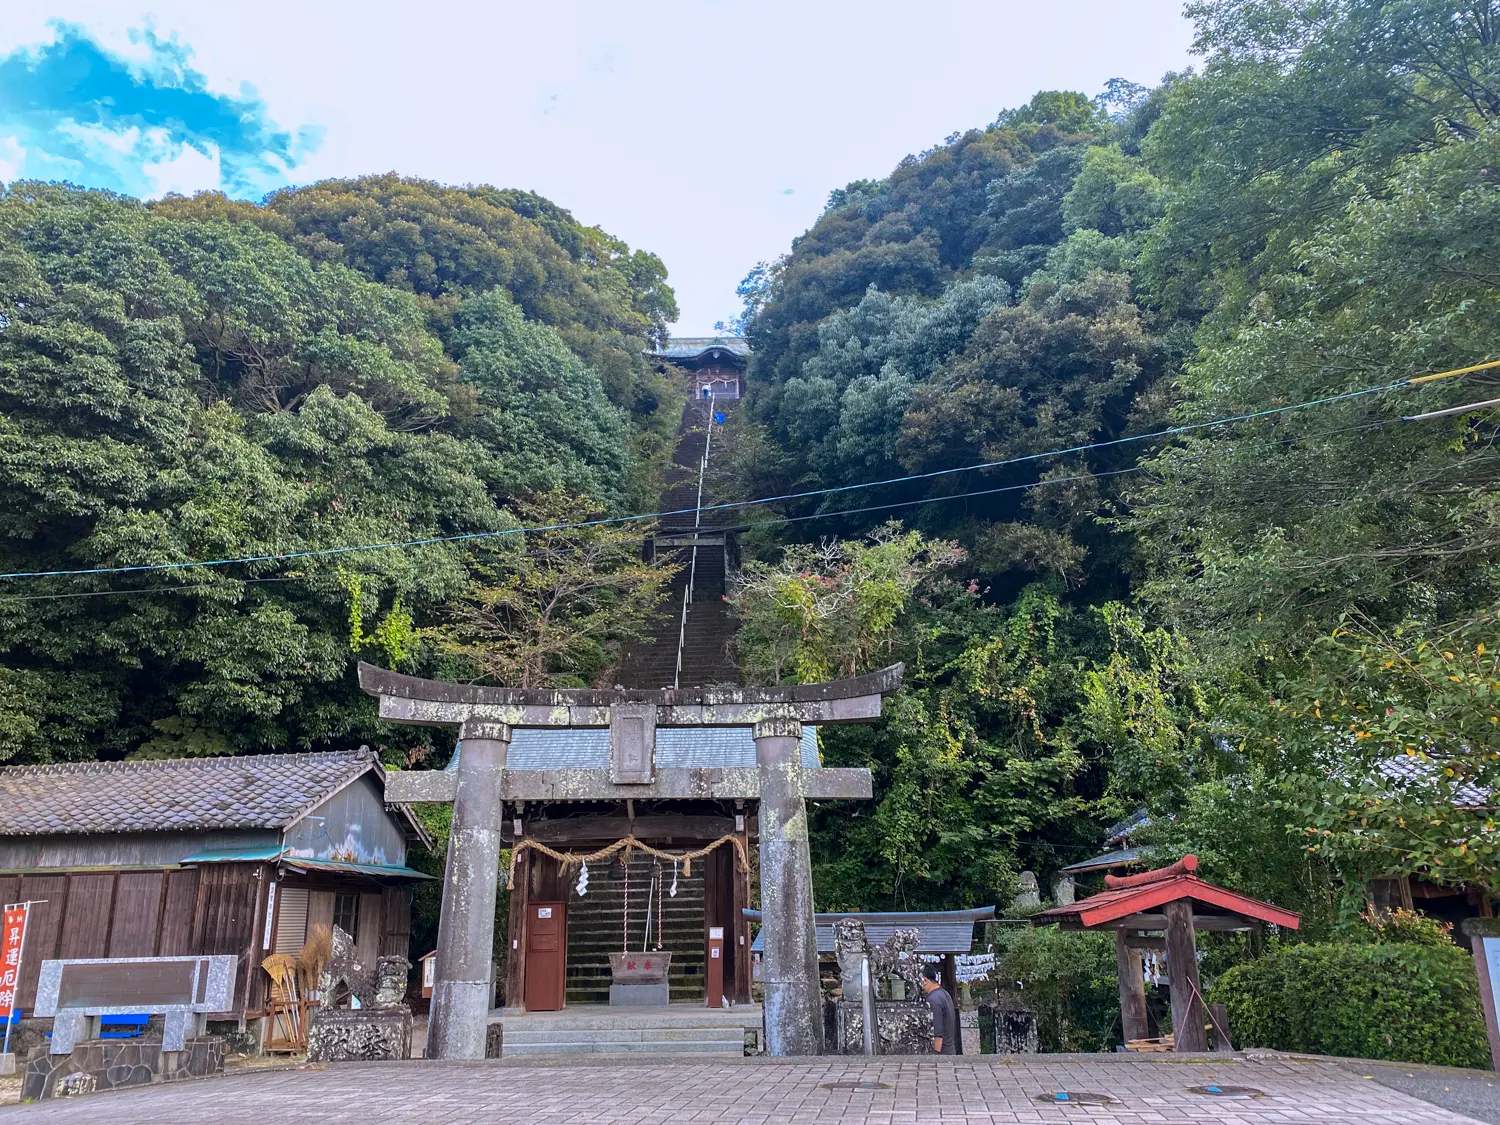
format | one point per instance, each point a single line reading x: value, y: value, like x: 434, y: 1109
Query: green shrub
x: 1403, y: 1001
x: 1068, y: 979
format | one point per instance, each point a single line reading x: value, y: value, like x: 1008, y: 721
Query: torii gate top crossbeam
x: 409, y: 699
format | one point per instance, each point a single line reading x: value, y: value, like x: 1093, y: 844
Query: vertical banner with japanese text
x: 12, y: 936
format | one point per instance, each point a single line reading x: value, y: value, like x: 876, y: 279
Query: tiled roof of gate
x: 188, y: 794
x: 689, y: 347
x: 676, y: 748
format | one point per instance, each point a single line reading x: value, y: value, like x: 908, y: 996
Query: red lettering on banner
x: 10, y: 958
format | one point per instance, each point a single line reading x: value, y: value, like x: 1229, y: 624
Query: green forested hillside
x: 355, y: 362
x: 1237, y: 627
x: 1191, y: 624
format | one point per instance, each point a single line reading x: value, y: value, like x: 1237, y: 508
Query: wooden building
x: 710, y: 894
x: 717, y: 363
x: 205, y: 856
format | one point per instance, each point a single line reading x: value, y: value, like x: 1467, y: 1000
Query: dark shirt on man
x: 944, y: 1021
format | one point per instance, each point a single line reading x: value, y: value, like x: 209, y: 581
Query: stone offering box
x: 184, y: 989
x: 640, y: 979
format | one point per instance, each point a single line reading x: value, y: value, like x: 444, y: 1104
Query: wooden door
x: 546, y: 955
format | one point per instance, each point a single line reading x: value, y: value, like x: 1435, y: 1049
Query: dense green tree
x: 553, y: 607
x: 184, y: 388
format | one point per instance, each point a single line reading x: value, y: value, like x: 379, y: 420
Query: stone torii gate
x: 480, y: 787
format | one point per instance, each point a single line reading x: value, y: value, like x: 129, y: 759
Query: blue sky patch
x: 73, y: 110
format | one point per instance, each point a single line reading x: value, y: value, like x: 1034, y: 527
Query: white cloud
x: 106, y: 145
x: 12, y: 159
x: 187, y: 171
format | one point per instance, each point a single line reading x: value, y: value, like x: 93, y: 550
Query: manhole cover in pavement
x: 856, y: 1085
x: 1227, y: 1091
x: 1075, y: 1097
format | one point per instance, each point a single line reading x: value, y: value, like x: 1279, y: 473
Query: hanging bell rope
x: 629, y: 844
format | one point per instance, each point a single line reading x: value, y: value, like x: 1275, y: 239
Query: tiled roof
x: 688, y: 347
x: 1122, y: 858
x: 190, y: 794
x: 938, y: 931
x: 1410, y: 770
x: 676, y: 748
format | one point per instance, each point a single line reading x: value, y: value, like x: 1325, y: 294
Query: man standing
x: 944, y: 1021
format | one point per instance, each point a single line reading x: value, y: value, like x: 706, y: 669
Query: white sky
x: 707, y: 131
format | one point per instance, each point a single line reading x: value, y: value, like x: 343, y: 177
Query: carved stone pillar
x: 461, y: 994
x: 794, y: 1003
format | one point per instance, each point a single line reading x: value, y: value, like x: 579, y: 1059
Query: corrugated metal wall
x: 291, y: 919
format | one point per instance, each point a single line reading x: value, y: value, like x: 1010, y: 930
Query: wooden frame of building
x: 205, y: 856
x: 717, y: 363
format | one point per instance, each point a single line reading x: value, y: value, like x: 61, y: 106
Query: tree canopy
x: 1305, y: 218
x: 197, y: 380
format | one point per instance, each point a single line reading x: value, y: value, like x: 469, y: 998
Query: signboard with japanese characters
x: 12, y: 937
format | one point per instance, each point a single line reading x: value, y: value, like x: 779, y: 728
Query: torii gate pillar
x: 461, y: 993
x: 789, y: 971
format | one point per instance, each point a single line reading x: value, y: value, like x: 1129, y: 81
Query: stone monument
x: 902, y: 1027
x: 376, y: 1025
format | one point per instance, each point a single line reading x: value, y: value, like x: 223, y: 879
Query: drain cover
x: 856, y: 1085
x: 1227, y: 1091
x: 1075, y: 1097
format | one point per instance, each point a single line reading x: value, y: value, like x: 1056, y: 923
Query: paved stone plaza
x: 760, y: 1092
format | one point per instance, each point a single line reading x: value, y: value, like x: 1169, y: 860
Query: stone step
x: 531, y: 1036
x: 706, y: 1047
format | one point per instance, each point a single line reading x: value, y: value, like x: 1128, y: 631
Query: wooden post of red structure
x: 1188, y: 1030
x: 1132, y: 989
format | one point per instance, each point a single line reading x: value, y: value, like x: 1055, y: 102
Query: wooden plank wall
x: 137, y: 914
x: 179, y: 909
x: 395, y: 922
x: 134, y: 914
x: 217, y: 908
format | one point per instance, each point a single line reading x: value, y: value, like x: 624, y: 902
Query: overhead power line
x: 1451, y: 411
x: 329, y: 552
x: 236, y: 583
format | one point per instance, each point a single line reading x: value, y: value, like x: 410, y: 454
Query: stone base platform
x: 114, y: 1064
x: 359, y: 1034
x: 639, y: 995
x: 903, y: 1027
x: 594, y: 1029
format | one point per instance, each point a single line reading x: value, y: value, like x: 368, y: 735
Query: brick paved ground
x: 756, y: 1092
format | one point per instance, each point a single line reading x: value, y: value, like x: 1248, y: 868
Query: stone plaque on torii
x: 482, y: 784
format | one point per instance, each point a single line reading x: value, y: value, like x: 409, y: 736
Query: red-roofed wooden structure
x: 1175, y: 902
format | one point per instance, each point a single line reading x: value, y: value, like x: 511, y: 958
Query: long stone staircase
x: 710, y: 627
x: 587, y: 1025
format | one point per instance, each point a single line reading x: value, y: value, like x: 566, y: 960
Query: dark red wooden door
x: 546, y: 956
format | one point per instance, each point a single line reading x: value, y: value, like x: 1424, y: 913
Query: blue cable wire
x: 327, y: 552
